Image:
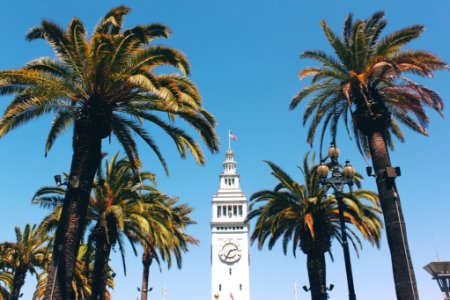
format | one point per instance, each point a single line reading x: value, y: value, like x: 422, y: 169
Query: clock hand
x: 227, y: 256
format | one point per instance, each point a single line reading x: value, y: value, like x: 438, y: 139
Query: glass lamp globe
x: 323, y: 170
x: 349, y: 171
x: 333, y: 151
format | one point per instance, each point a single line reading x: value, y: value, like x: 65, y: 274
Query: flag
x: 232, y: 136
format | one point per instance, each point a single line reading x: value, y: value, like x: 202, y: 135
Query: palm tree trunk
x: 100, y: 273
x: 85, y: 162
x: 317, y: 275
x: 404, y: 278
x: 147, y: 259
x: 18, y: 281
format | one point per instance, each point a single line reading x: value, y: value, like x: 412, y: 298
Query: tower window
x: 220, y: 287
x: 219, y: 210
x: 240, y: 286
x: 224, y: 211
x: 240, y: 210
x: 234, y: 210
x: 230, y: 271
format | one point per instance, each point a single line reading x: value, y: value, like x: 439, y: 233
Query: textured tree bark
x: 85, y: 162
x: 100, y: 273
x: 317, y: 275
x: 404, y: 278
x: 18, y: 281
x: 147, y: 259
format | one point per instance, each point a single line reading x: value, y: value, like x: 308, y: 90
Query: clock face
x: 230, y: 252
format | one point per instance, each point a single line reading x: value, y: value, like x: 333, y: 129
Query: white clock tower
x: 229, y: 235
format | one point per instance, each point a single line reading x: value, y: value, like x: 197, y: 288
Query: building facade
x: 229, y: 237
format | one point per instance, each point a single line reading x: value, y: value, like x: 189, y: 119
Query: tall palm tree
x: 53, y: 198
x: 26, y: 254
x: 122, y: 206
x: 118, y: 213
x: 102, y: 85
x: 365, y: 86
x: 167, y: 237
x: 82, y: 279
x: 304, y: 215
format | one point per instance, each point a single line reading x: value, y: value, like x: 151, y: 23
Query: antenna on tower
x: 435, y: 249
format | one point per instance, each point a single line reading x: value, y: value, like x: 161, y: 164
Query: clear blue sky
x: 244, y: 57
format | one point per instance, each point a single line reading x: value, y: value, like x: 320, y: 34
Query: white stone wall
x: 236, y: 283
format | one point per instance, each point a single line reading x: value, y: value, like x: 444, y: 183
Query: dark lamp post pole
x: 339, y: 178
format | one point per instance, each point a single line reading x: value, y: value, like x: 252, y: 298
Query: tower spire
x: 229, y: 235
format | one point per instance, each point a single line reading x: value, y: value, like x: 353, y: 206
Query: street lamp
x: 307, y: 289
x: 144, y: 291
x: 440, y: 270
x: 340, y: 176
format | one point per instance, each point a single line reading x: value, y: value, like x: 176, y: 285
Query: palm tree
x: 118, y: 213
x: 102, y: 85
x: 53, y: 198
x: 110, y: 199
x: 365, y: 87
x: 167, y: 236
x: 82, y: 279
x: 6, y: 283
x: 122, y: 206
x: 303, y: 214
x: 23, y: 256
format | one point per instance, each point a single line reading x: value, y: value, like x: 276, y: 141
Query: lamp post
x: 340, y: 176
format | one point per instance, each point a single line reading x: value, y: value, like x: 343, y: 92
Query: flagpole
x: 229, y: 142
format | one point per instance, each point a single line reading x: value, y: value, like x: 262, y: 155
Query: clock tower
x: 229, y: 237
